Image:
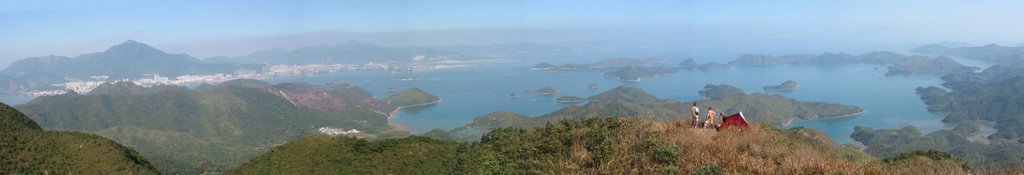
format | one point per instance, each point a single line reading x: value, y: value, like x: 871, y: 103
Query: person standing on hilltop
x: 711, y: 118
x: 696, y: 116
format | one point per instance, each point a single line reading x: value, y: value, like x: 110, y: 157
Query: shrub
x: 709, y: 169
x: 667, y: 153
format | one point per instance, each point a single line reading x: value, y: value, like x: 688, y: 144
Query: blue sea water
x: 889, y: 102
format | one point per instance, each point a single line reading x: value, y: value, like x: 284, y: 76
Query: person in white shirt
x: 696, y: 115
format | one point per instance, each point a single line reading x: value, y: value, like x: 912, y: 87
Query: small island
x: 785, y: 86
x: 635, y: 73
x: 627, y: 69
x: 545, y: 67
x: 411, y: 98
x: 714, y: 91
x: 593, y: 86
x: 569, y: 100
x: 547, y: 90
x: 711, y: 67
x: 603, y: 65
x: 513, y: 95
x: 766, y: 60
x: 405, y: 78
x: 688, y: 64
x: 939, y: 65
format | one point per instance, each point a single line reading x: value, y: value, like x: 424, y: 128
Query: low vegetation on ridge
x: 588, y: 146
x: 27, y: 149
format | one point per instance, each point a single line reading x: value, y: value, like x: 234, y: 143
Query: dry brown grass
x: 925, y: 166
x: 755, y: 150
x: 758, y: 149
x: 762, y: 150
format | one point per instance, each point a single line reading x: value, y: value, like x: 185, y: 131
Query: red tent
x: 734, y: 120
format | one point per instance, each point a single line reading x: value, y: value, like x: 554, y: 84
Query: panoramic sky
x: 231, y: 28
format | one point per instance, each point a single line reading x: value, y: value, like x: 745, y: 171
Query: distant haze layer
x: 206, y: 29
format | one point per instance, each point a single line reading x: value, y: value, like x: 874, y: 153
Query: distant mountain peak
x: 132, y: 46
x: 993, y: 45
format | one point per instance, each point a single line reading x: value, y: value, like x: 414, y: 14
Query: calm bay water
x: 889, y: 102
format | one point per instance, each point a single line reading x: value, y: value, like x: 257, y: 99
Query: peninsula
x: 785, y: 86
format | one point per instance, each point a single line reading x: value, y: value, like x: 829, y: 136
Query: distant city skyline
x: 204, y: 29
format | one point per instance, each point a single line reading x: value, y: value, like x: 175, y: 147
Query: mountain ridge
x: 130, y: 59
x: 214, y: 127
x: 595, y: 146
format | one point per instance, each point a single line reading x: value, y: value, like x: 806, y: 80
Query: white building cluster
x: 82, y: 87
x: 293, y: 70
x: 47, y: 92
x: 149, y: 80
x: 337, y: 131
x: 377, y: 66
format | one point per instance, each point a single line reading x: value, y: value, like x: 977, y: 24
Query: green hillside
x: 592, y: 146
x: 27, y: 149
x: 346, y: 155
x: 991, y: 96
x: 629, y: 102
x: 214, y: 127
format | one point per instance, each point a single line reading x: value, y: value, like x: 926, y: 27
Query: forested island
x: 626, y: 69
x: 603, y: 65
x: 689, y: 63
x: 547, y: 90
x: 412, y: 97
x: 939, y: 65
x: 635, y: 73
x: 785, y: 86
x: 711, y: 67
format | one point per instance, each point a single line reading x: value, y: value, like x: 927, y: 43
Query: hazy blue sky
x: 212, y: 28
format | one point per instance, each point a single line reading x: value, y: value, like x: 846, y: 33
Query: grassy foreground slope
x: 593, y: 146
x: 27, y: 149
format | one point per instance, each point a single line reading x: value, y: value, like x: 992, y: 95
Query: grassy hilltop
x: 595, y: 146
x: 27, y: 149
